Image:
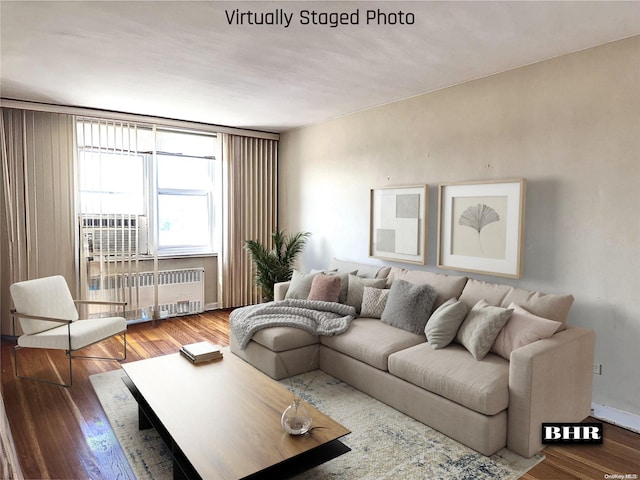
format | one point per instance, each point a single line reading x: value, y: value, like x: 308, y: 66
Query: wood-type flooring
x: 63, y: 433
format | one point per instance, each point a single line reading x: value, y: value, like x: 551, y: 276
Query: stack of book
x: 201, y: 352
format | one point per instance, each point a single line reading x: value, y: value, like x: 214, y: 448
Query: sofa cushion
x: 279, y: 339
x: 300, y: 285
x: 446, y: 286
x: 444, y: 323
x: 325, y: 288
x: 356, y: 289
x: 364, y: 270
x: 373, y: 302
x: 476, y: 290
x: 521, y: 329
x: 454, y: 374
x: 409, y: 306
x: 481, y: 327
x: 372, y: 341
x: 553, y: 307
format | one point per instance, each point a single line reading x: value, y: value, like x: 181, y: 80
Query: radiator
x: 180, y: 292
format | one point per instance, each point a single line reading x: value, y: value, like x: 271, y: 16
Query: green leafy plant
x: 276, y: 264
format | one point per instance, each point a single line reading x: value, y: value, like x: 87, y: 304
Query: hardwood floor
x: 62, y: 433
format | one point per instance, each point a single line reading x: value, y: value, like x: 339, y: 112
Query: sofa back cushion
x: 553, y: 307
x: 446, y: 286
x: 476, y: 290
x: 363, y: 270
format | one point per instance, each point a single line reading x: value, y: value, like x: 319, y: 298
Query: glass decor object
x: 296, y: 419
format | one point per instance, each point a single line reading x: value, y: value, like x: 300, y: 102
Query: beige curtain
x: 37, y: 237
x: 249, y: 211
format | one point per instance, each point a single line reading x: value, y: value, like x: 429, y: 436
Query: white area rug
x: 385, y: 443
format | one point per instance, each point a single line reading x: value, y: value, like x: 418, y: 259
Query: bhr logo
x: 588, y: 433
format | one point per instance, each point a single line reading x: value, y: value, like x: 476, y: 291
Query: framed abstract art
x: 398, y: 224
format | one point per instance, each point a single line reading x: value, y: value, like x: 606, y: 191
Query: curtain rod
x: 133, y: 117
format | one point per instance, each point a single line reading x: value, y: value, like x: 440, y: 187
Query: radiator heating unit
x: 180, y: 292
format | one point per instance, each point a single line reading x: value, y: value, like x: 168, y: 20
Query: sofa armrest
x: 280, y: 290
x: 549, y: 381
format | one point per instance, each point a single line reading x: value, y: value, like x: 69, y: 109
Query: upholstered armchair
x: 49, y: 319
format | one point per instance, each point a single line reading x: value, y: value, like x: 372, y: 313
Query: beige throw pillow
x: 300, y: 285
x: 444, y: 323
x: 373, y: 302
x: 522, y: 329
x: 356, y: 289
x: 481, y: 327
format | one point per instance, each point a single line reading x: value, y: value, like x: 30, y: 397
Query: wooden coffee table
x: 221, y: 420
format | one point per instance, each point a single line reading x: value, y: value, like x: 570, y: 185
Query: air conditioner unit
x: 114, y: 234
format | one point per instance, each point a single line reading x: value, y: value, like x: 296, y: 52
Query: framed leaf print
x: 398, y: 224
x: 481, y: 226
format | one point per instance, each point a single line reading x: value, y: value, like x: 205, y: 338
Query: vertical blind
x: 44, y: 206
x: 250, y: 195
x: 111, y: 210
x: 37, y: 199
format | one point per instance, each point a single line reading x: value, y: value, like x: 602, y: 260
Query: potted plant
x: 275, y: 265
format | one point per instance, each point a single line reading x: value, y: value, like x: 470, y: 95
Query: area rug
x: 385, y: 443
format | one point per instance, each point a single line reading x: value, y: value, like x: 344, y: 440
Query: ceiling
x: 183, y: 60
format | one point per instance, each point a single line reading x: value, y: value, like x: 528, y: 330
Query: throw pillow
x: 522, y: 329
x: 344, y: 281
x: 373, y: 302
x: 344, y: 284
x: 325, y: 288
x: 356, y: 289
x: 444, y: 323
x: 481, y: 327
x: 300, y: 285
x: 409, y: 306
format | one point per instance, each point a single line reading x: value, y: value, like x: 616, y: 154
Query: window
x: 184, y: 202
x: 165, y: 175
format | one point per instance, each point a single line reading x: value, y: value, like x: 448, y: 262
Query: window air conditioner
x: 114, y: 234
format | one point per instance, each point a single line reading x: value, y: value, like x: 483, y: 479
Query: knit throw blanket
x: 316, y: 317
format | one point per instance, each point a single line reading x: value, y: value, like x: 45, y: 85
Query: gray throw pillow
x: 356, y: 289
x: 444, y: 323
x: 481, y: 327
x: 409, y: 306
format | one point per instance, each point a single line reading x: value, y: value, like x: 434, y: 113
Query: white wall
x: 570, y: 126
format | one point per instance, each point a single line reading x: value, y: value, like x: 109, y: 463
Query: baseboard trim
x: 617, y: 417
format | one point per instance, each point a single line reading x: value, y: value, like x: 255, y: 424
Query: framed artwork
x: 398, y: 224
x: 481, y: 226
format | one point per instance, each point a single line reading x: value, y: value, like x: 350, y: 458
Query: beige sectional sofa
x: 485, y: 404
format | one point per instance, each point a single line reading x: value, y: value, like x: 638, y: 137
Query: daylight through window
x: 165, y: 178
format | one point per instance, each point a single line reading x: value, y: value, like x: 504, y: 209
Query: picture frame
x: 481, y: 226
x: 398, y: 223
